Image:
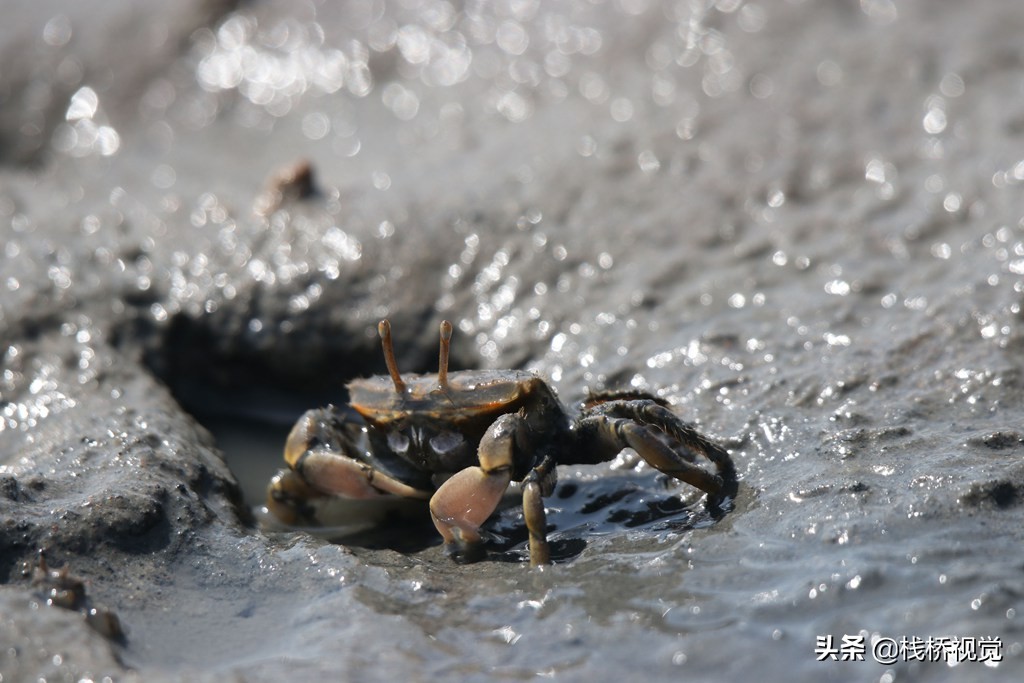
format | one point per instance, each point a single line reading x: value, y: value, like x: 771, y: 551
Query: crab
x: 60, y: 588
x: 460, y: 439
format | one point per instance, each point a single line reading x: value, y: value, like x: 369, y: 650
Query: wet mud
x: 799, y: 224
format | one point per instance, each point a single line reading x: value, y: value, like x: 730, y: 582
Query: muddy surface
x: 799, y: 223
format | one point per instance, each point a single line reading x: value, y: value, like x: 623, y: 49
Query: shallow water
x: 800, y: 224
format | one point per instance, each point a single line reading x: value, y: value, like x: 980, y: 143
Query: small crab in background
x: 459, y: 439
x: 60, y: 588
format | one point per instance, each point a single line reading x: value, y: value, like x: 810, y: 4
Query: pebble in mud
x: 292, y: 183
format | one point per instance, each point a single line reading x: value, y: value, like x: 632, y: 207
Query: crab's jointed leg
x: 659, y: 437
x: 538, y: 484
x: 464, y: 502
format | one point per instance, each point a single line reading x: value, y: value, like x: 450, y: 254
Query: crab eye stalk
x: 442, y: 363
x: 384, y: 330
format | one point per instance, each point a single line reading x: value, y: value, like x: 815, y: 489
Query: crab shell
x: 438, y: 428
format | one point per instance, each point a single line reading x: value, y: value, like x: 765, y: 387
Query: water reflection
x: 86, y: 130
x: 518, y: 54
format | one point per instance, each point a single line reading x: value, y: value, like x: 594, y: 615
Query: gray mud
x: 800, y: 223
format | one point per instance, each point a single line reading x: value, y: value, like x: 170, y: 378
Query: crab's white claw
x: 326, y: 471
x: 338, y: 475
x: 341, y: 475
x: 464, y: 502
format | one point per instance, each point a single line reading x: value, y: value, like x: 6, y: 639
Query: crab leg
x: 651, y: 413
x: 643, y: 425
x: 538, y: 483
x: 650, y: 447
x: 463, y: 503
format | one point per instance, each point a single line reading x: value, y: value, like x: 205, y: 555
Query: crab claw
x: 463, y: 503
x: 319, y: 467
